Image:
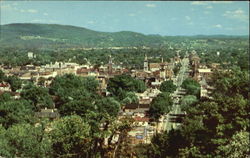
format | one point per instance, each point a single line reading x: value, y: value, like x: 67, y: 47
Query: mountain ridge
x: 57, y: 35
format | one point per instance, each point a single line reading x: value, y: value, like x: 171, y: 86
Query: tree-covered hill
x: 53, y: 35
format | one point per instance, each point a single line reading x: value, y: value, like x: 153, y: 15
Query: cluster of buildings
x: 201, y: 73
x: 153, y: 74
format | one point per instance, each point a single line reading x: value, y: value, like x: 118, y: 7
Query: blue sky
x: 148, y: 17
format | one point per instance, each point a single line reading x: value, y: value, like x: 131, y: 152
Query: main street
x: 176, y: 109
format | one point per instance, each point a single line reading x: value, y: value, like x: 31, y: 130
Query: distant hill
x: 27, y: 35
x: 53, y: 35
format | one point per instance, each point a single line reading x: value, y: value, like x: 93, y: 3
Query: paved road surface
x: 182, y: 75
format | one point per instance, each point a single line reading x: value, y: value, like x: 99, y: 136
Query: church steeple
x: 146, y: 63
x: 110, y: 65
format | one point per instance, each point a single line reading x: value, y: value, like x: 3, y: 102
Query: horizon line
x: 128, y: 30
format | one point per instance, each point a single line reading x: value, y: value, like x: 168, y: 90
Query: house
x: 204, y: 73
x: 48, y: 113
x: 5, y: 87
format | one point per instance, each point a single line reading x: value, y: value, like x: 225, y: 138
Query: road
x: 176, y: 109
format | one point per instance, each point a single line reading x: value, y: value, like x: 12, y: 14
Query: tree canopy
x: 160, y: 105
x: 119, y: 85
x: 168, y: 86
x: 38, y: 96
x: 192, y: 87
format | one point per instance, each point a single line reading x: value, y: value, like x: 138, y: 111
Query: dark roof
x: 135, y: 106
x: 47, y: 114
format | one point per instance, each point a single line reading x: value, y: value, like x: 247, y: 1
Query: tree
x: 4, y: 97
x: 15, y: 83
x: 24, y: 140
x: 78, y: 107
x: 168, y: 86
x: 187, y: 101
x: 70, y: 137
x: 38, y: 96
x: 15, y: 111
x: 192, y: 87
x: 177, y: 68
x: 108, y: 105
x: 70, y: 87
x: 238, y: 146
x: 121, y: 84
x: 41, y: 81
x: 160, y: 105
x: 231, y: 82
x: 2, y: 76
x: 130, y: 98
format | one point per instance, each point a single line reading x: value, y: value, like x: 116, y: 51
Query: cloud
x: 217, y: 26
x: 6, y: 7
x: 199, y: 3
x: 209, y: 7
x: 206, y: 12
x: 210, y: 2
x: 188, y: 18
x: 28, y: 11
x: 221, y: 2
x: 91, y: 22
x: 173, y: 19
x: 32, y: 11
x: 150, y: 5
x: 45, y: 14
x: 44, y: 21
x: 238, y: 14
x: 131, y: 14
x: 37, y: 20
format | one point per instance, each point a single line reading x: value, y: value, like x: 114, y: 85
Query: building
x: 194, y: 63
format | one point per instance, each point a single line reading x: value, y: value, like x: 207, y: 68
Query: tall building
x: 146, y: 63
x: 110, y: 65
x: 162, y: 70
x: 195, y: 63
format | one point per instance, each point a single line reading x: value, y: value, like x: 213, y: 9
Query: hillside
x: 53, y: 35
x: 27, y: 35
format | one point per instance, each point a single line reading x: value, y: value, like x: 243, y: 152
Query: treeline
x: 130, y: 58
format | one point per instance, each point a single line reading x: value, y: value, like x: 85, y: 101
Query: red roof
x: 4, y: 85
x: 141, y: 119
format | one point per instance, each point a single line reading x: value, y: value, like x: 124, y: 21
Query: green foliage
x: 192, y: 87
x: 4, y: 97
x: 38, y: 96
x: 238, y: 146
x: 168, y: 86
x: 70, y: 137
x: 160, y: 105
x: 177, y: 68
x: 187, y: 101
x: 2, y: 76
x: 130, y: 98
x: 15, y: 83
x: 108, y: 105
x: 121, y: 84
x: 24, y: 140
x: 54, y: 36
x: 213, y: 127
x: 231, y: 82
x: 70, y: 87
x: 15, y: 111
x: 79, y: 107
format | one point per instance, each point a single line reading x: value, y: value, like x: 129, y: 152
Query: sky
x: 147, y: 17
